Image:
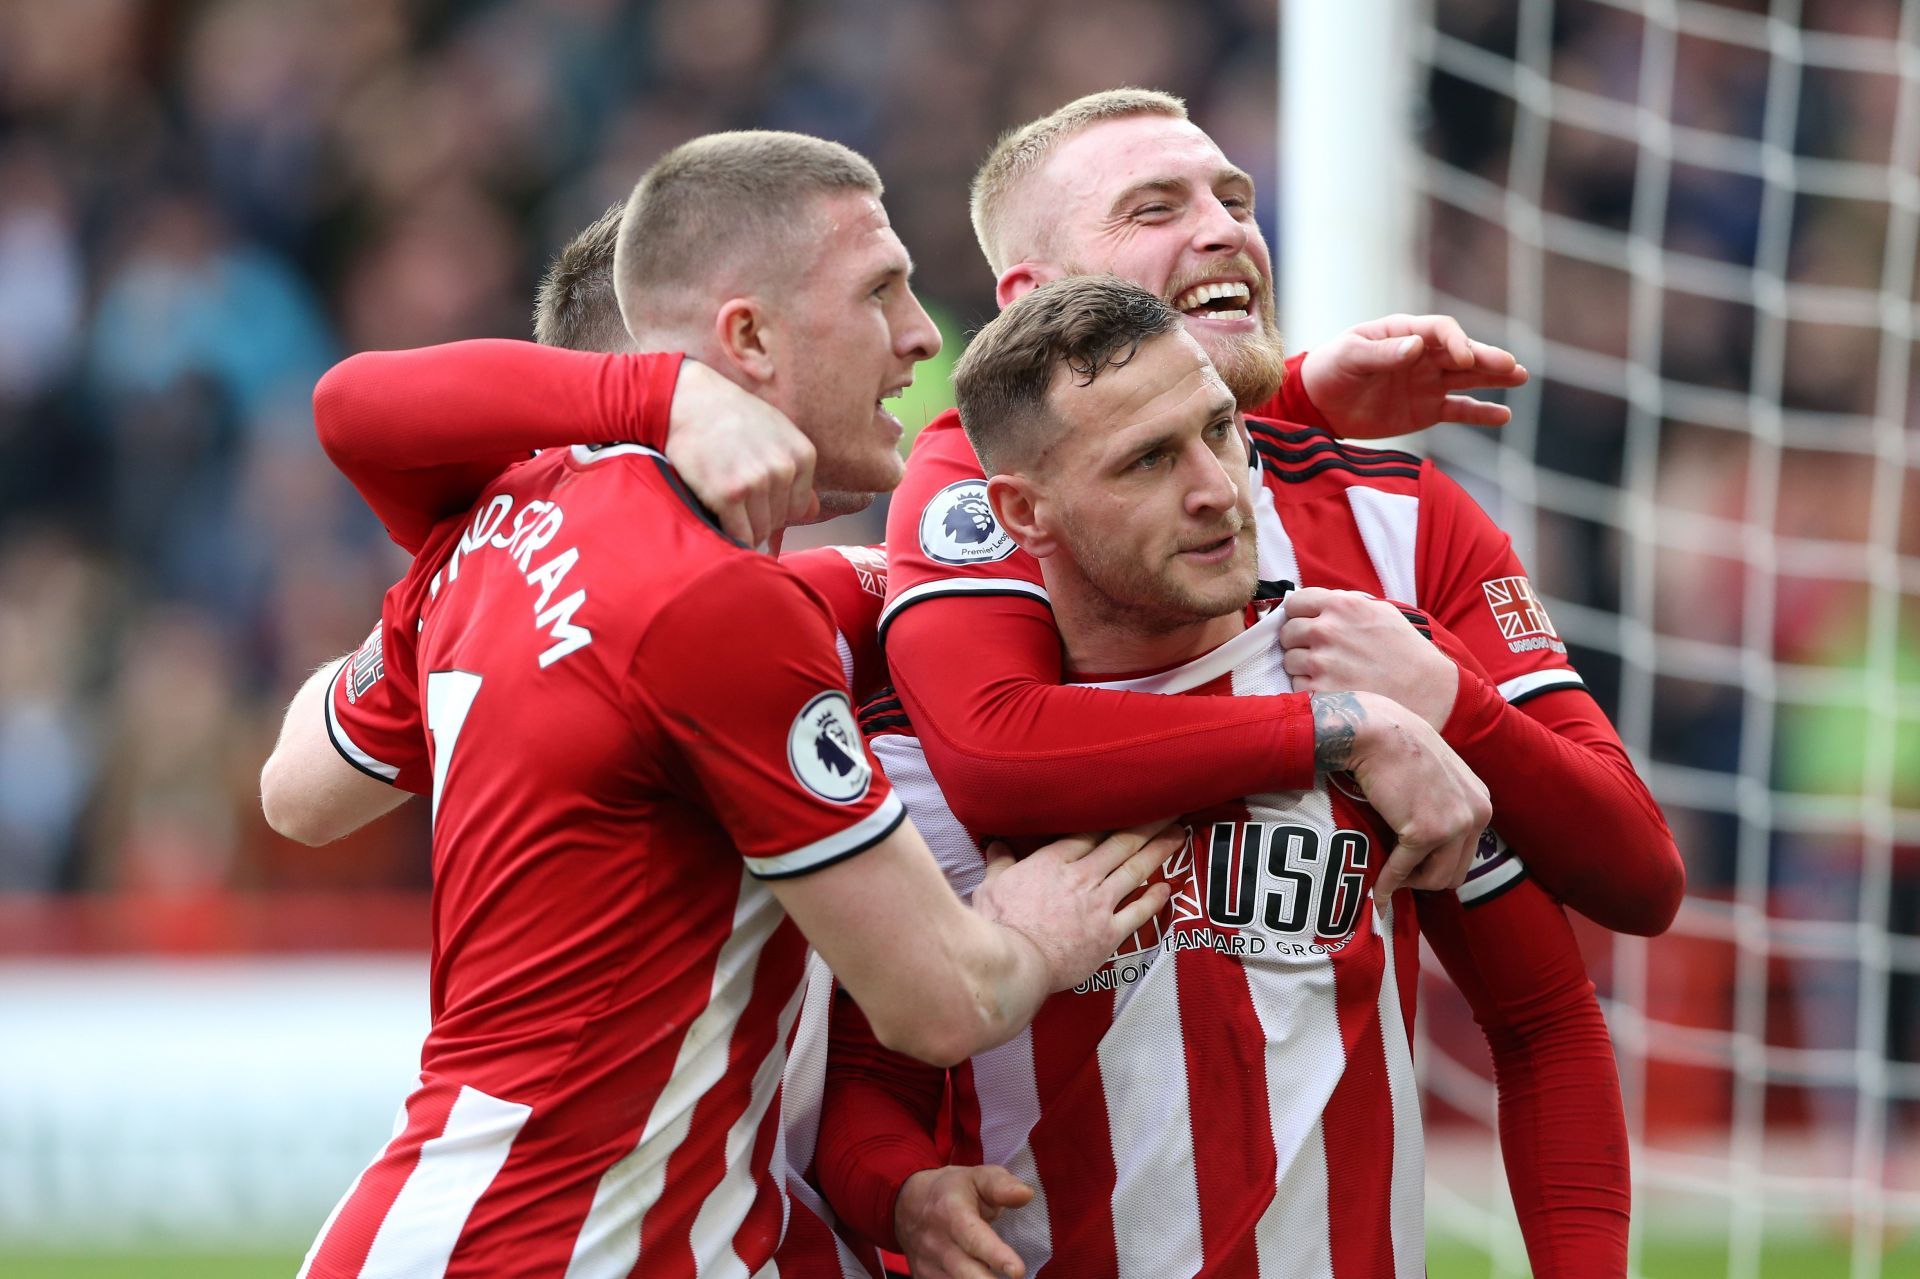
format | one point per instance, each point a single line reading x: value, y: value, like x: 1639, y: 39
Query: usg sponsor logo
x: 823, y: 749
x: 958, y: 526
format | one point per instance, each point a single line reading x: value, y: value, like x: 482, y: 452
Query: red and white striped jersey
x: 1233, y: 1093
x: 1328, y: 514
x: 616, y: 765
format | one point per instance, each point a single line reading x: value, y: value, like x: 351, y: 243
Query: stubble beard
x: 1135, y: 598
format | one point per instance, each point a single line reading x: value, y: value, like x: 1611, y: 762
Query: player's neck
x: 1104, y: 641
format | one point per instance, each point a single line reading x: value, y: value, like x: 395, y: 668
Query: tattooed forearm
x: 1336, y: 722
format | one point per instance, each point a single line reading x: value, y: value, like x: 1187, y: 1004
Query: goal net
x: 1696, y: 224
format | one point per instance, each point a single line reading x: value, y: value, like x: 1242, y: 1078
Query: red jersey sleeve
x: 766, y: 732
x: 877, y: 1123
x: 373, y: 717
x: 853, y: 582
x: 1564, y: 790
x: 1563, y: 1134
x: 1290, y: 402
x: 1473, y: 584
x: 420, y: 433
x: 976, y: 662
x: 942, y: 538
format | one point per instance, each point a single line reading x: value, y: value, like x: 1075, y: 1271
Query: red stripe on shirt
x: 1357, y: 1125
x: 1234, y: 1167
x: 349, y: 1238
x: 700, y: 1164
x: 1072, y: 1143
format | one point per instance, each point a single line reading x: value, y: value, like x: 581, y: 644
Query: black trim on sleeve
x: 326, y: 720
x: 1285, y: 471
x: 1497, y: 893
x: 1572, y: 682
x: 887, y: 618
x: 837, y: 858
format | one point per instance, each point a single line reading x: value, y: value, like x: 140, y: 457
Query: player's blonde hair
x: 575, y: 307
x: 1022, y: 150
x: 726, y: 211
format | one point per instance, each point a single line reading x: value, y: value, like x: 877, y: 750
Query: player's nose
x: 1218, y: 230
x: 915, y: 335
x: 1211, y: 488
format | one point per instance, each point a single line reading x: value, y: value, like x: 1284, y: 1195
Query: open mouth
x: 1219, y: 300
x: 883, y: 407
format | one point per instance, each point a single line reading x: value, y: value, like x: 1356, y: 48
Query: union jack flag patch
x: 1523, y: 619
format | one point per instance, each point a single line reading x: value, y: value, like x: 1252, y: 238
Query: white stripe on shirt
x: 418, y: 1234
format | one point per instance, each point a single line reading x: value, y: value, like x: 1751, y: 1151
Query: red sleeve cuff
x: 1476, y: 706
x: 1292, y: 404
x: 656, y: 377
x: 870, y: 1188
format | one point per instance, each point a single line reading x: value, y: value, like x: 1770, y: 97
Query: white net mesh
x: 1696, y: 223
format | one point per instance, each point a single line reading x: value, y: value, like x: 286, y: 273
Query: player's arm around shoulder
x: 941, y: 981
x: 739, y: 673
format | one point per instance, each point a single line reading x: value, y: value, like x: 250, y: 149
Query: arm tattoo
x: 1336, y: 721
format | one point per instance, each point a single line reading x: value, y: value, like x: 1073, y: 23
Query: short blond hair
x: 726, y: 210
x: 575, y: 307
x: 1022, y: 150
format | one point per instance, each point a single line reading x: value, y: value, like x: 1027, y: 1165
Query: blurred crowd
x: 202, y: 205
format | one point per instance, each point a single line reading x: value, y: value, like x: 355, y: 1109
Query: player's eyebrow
x: 1151, y: 186
x: 898, y: 270
x: 1233, y: 174
x: 1229, y: 175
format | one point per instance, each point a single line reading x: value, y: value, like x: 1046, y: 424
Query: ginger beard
x: 1252, y: 364
x: 1247, y: 350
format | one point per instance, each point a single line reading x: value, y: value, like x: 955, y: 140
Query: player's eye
x: 1153, y: 210
x: 1150, y: 459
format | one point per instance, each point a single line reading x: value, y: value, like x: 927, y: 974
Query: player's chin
x: 873, y: 471
x: 1221, y: 587
x: 835, y: 503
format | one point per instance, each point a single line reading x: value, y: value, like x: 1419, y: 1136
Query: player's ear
x: 1022, y: 278
x: 743, y: 336
x: 1021, y: 509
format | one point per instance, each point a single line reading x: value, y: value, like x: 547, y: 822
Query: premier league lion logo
x: 970, y: 520
x: 832, y: 750
x: 957, y: 526
x: 823, y: 749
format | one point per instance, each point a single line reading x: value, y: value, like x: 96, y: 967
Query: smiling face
x: 1143, y: 502
x: 854, y: 331
x: 1151, y: 199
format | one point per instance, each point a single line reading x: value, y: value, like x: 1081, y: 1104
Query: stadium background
x: 204, y: 1028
